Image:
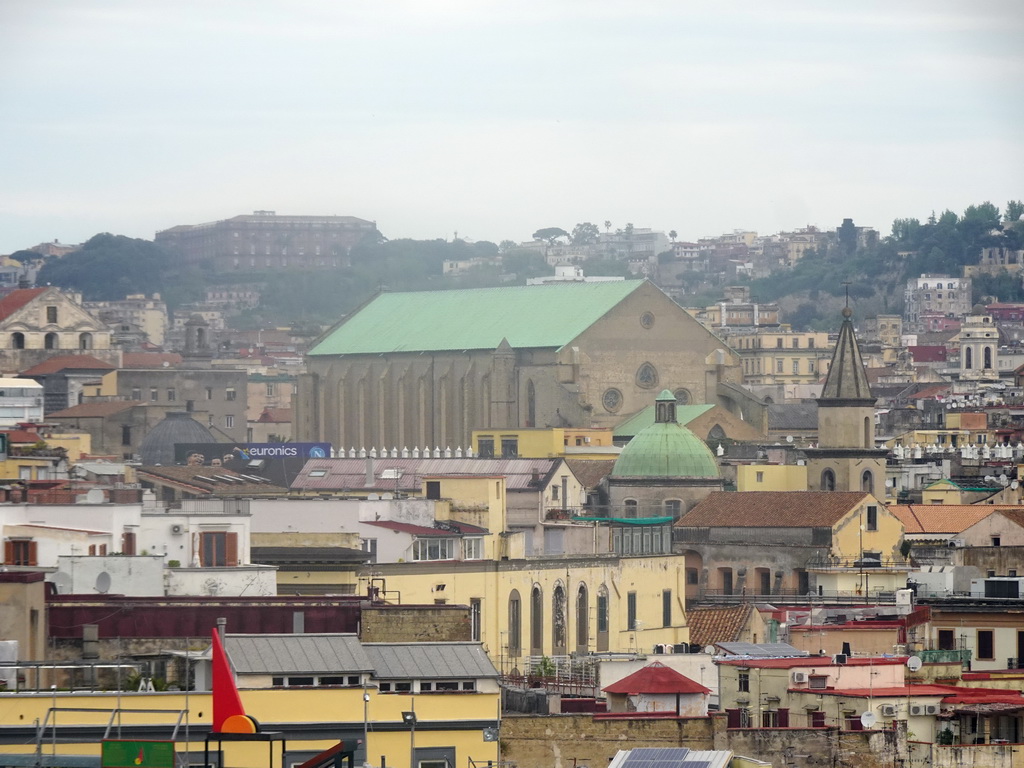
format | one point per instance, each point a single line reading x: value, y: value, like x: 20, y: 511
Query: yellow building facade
x: 771, y: 477
x: 548, y: 443
x: 553, y: 607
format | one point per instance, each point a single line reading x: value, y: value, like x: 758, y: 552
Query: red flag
x: 226, y: 701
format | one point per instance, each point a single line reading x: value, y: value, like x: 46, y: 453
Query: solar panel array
x: 762, y: 650
x: 665, y: 757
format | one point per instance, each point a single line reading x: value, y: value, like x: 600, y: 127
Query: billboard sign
x: 240, y: 454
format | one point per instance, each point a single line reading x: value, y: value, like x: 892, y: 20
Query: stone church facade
x: 425, y: 369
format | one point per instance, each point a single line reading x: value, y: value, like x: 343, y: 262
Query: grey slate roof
x: 795, y: 416
x: 337, y: 654
x: 295, y: 654
x: 426, y: 661
x: 847, y: 379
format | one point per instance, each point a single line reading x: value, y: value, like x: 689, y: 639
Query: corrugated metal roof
x: 526, y: 316
x: 296, y: 654
x: 350, y: 474
x: 427, y: 661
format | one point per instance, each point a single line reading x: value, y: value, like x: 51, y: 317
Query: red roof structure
x: 17, y: 299
x: 65, y: 362
x: 656, y: 678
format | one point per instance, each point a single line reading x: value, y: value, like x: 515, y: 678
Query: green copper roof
x: 645, y: 418
x: 527, y: 316
x: 666, y: 449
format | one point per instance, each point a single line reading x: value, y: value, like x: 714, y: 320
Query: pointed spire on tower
x: 847, y: 379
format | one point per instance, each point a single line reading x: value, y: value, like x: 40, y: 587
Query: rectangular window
x: 434, y: 489
x: 759, y: 477
x: 602, y: 613
x: 817, y: 682
x: 229, y: 393
x: 270, y: 389
x: 229, y: 421
x: 369, y: 546
x: 218, y: 549
x: 666, y: 607
x: 20, y: 552
x: 172, y: 395
x: 154, y: 394
x: 509, y: 447
x: 692, y: 576
x: 743, y: 682
x: 780, y: 365
x: 778, y: 343
x: 485, y: 448
x: 631, y: 610
x: 810, y: 343
x: 51, y: 315
x: 986, y: 645
x: 473, y: 548
x: 996, y: 541
x: 209, y: 393
x: 554, y: 493
x: 136, y: 393
x: 475, y: 611
x: 872, y: 524
x: 796, y: 366
x: 433, y: 549
x: 126, y: 435
x: 128, y: 543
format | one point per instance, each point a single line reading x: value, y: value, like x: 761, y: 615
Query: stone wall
x: 411, y: 624
x: 567, y: 741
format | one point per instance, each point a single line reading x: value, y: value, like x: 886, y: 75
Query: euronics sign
x: 236, y: 454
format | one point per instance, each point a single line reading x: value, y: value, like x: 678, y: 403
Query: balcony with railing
x: 857, y: 563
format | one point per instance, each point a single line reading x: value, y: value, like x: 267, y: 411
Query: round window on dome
x: 647, y: 376
x: 612, y: 400
x: 682, y: 396
x: 647, y: 319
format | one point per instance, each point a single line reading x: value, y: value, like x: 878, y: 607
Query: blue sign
x: 235, y: 454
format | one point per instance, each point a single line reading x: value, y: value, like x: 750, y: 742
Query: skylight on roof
x: 317, y: 472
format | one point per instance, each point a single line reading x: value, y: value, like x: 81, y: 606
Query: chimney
x: 222, y: 627
x: 370, y: 479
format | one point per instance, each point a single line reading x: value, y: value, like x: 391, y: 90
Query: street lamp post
x: 409, y: 718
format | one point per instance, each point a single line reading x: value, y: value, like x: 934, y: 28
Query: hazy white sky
x: 494, y: 119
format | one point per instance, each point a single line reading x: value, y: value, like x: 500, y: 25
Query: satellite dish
x: 94, y: 496
x: 789, y: 438
x: 868, y: 720
x: 914, y: 663
x: 103, y: 582
x: 62, y: 582
x: 710, y: 650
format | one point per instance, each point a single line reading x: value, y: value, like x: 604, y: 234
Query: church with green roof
x: 426, y: 368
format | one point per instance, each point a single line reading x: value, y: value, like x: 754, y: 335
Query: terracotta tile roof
x: 715, y: 624
x: 275, y: 416
x: 93, y: 410
x: 772, y: 509
x: 590, y: 472
x: 150, y: 359
x: 1015, y: 515
x: 941, y: 518
x: 656, y: 678
x: 17, y: 299
x: 64, y: 362
x: 209, y: 480
x: 22, y: 436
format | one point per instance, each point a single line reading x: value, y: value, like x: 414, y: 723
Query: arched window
x: 85, y: 341
x: 515, y: 623
x: 602, y: 618
x: 716, y: 433
x: 536, y: 622
x: 988, y: 358
x: 50, y: 341
x: 531, y: 404
x: 867, y: 482
x: 869, y: 436
x: 968, y: 358
x: 828, y: 480
x: 630, y: 507
x: 582, y: 620
x: 17, y: 340
x: 558, y: 620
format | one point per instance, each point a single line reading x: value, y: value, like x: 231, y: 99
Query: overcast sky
x: 496, y: 119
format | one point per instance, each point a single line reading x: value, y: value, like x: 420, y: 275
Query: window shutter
x: 783, y: 718
x: 732, y: 718
x: 32, y: 555
x: 128, y: 543
x: 202, y: 549
x: 8, y: 552
x: 231, y: 548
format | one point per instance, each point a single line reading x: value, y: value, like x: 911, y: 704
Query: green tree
x: 1014, y: 211
x: 507, y: 245
x: 847, y: 236
x: 672, y: 235
x: 25, y: 256
x: 607, y: 225
x: 584, y: 233
x: 550, y: 234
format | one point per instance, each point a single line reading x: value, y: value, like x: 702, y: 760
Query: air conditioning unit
x: 916, y: 710
x: 177, y: 530
x: 799, y: 677
x: 956, y: 542
x: 840, y: 658
x: 888, y: 710
x: 931, y: 709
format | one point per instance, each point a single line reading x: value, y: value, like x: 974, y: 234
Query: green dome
x: 666, y: 449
